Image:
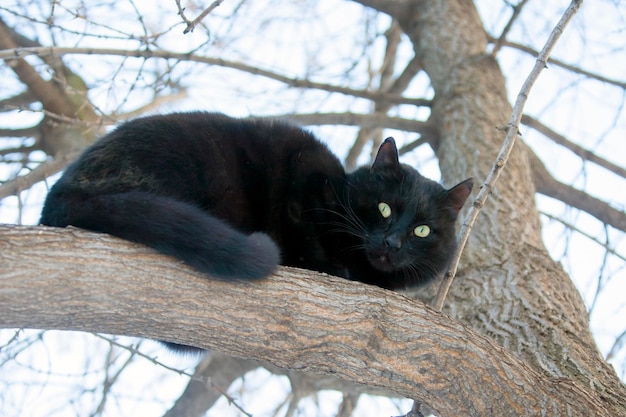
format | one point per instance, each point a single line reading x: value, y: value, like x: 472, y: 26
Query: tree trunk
x: 509, y: 288
x: 70, y: 279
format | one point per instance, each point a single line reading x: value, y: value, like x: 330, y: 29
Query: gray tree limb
x: 72, y: 279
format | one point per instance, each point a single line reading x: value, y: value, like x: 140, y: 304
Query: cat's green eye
x: 421, y: 231
x: 384, y: 209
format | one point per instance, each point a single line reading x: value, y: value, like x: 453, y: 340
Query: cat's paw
x: 260, y: 257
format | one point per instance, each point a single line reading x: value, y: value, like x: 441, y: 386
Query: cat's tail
x: 170, y: 226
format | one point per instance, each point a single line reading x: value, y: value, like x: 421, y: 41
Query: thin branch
x: 584, y: 154
x: 181, y: 13
x: 355, y: 119
x: 109, y: 380
x: 617, y: 346
x: 546, y: 184
x: 425, y: 138
x: 570, y: 226
x: 218, y: 371
x: 19, y: 149
x: 516, y: 12
x: 196, y: 376
x: 512, y: 130
x: 27, y: 132
x: 22, y: 99
x: 559, y: 63
x: 393, y: 37
x: 191, y: 25
x: 154, y: 104
x: 43, y: 171
x: 16, y: 53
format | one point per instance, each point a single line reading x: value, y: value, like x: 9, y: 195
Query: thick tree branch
x: 72, y: 279
x: 50, y: 96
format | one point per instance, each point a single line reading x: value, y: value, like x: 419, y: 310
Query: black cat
x: 236, y: 197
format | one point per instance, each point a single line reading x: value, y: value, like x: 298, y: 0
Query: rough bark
x: 76, y: 280
x: 521, y: 298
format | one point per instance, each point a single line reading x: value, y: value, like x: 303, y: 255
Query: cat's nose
x: 393, y: 241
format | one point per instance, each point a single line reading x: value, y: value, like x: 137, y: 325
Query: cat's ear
x: 387, y: 156
x: 459, y: 193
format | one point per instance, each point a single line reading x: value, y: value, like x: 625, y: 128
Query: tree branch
x: 584, y: 154
x: 16, y: 53
x: 393, y: 37
x: 517, y: 9
x: 572, y: 68
x: 209, y: 383
x: 355, y: 119
x: 31, y: 132
x: 191, y: 25
x: 50, y: 96
x: 70, y: 279
x: 386, y: 85
x: 43, y: 171
x: 547, y: 185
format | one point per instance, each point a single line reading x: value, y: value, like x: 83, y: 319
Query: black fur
x: 236, y: 197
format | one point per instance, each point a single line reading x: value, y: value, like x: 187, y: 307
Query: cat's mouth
x: 382, y: 261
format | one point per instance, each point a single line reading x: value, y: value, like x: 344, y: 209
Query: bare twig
x: 27, y: 132
x: 356, y: 119
x: 195, y: 376
x: 365, y: 135
x: 43, y: 171
x: 181, y: 13
x: 594, y: 239
x: 505, y: 150
x: 559, y: 63
x: 547, y: 185
x: 617, y: 346
x: 192, y: 25
x: 427, y: 137
x: 109, y: 380
x: 19, y: 149
x: 516, y: 12
x: 584, y: 154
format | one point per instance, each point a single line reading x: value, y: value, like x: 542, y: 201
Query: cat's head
x: 406, y: 222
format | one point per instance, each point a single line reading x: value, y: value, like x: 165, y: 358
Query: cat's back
x: 198, y: 136
x: 190, y: 148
